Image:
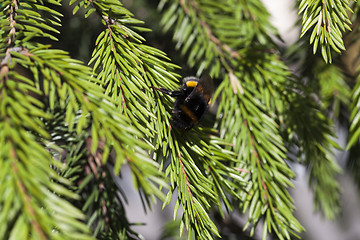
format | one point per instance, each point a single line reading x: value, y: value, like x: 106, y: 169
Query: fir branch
x: 220, y: 46
x: 328, y: 20
x: 246, y: 107
x: 48, y: 78
x: 322, y: 89
x: 329, y: 82
x: 28, y: 207
x: 314, y: 143
x: 101, y: 199
x: 30, y: 199
x: 270, y: 176
x: 197, y: 30
x: 353, y: 164
x: 50, y: 110
x: 354, y: 129
x: 351, y: 63
x: 200, y: 183
x: 334, y: 89
x: 126, y: 68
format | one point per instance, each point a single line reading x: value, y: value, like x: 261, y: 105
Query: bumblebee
x: 192, y: 101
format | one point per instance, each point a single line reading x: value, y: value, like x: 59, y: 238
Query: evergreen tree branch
x: 246, y: 106
x: 113, y: 58
x: 30, y: 199
x: 125, y: 68
x: 354, y: 107
x: 202, y: 178
x: 328, y: 82
x: 314, y: 142
x: 355, y: 116
x: 325, y: 91
x: 101, y: 198
x: 93, y: 121
x: 49, y: 79
x: 263, y: 148
x: 352, y: 67
x: 327, y: 19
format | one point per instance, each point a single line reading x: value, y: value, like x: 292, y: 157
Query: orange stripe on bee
x: 191, y: 83
x: 188, y: 112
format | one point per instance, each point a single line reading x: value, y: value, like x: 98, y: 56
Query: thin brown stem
x: 186, y: 177
x: 12, y: 20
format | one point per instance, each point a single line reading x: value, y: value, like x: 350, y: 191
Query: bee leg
x: 165, y: 91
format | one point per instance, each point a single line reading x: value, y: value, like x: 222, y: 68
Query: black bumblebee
x: 192, y: 101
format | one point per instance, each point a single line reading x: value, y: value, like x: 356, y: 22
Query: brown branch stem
x: 12, y: 20
x: 186, y: 177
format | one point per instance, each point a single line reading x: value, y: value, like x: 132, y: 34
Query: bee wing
x: 205, y: 87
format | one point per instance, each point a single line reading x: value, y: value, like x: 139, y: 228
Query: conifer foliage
x: 67, y: 128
